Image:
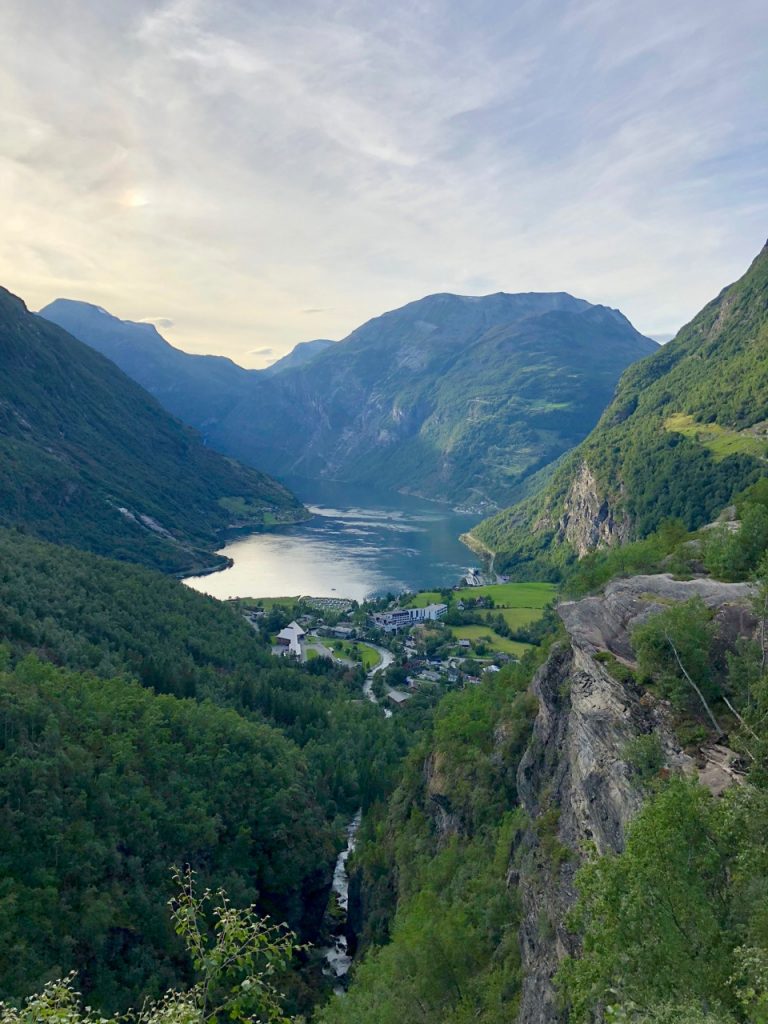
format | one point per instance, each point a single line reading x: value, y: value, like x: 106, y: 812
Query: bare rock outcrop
x: 588, y: 521
x: 574, y: 781
x: 605, y: 622
x: 438, y: 801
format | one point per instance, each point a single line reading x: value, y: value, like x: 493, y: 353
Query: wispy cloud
x: 163, y: 323
x: 243, y: 165
x: 269, y: 351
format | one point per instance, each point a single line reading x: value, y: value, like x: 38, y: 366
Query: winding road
x: 387, y: 657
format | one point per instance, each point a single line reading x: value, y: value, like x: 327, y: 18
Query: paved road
x: 387, y: 657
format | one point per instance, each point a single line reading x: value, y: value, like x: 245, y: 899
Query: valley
x: 383, y: 513
x: 456, y: 788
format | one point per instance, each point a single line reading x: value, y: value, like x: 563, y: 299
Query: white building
x: 291, y: 638
x: 404, y: 618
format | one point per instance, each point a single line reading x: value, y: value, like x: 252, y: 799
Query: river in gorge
x: 357, y: 544
x: 337, y: 960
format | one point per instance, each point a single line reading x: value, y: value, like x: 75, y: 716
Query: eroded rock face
x: 574, y: 782
x: 438, y: 802
x: 574, y: 778
x: 588, y: 522
x: 605, y: 622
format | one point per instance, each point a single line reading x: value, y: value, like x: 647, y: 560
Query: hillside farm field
x: 497, y: 643
x: 512, y: 595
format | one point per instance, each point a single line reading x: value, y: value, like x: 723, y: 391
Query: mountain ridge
x: 88, y: 458
x: 455, y: 398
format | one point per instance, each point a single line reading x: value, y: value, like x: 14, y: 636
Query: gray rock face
x: 438, y: 801
x: 588, y: 521
x: 574, y: 783
x: 605, y: 622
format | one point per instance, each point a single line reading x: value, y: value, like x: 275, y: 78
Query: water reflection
x: 350, y: 551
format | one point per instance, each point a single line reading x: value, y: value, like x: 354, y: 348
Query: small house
x: 398, y: 698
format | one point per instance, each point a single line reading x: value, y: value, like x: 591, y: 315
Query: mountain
x: 88, y: 458
x: 182, y: 382
x: 451, y: 397
x: 302, y: 353
x: 686, y: 432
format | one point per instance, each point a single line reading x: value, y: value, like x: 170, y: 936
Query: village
x: 433, y: 639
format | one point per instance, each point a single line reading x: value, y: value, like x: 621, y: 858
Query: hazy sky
x: 254, y: 174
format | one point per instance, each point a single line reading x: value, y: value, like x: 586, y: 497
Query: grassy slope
x: 672, y: 443
x: 513, y: 595
x: 79, y: 440
x: 496, y: 642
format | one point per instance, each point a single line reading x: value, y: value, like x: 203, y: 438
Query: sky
x: 248, y: 175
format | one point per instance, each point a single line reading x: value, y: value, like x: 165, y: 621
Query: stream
x: 337, y: 958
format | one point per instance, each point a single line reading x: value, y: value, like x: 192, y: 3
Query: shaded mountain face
x: 182, y: 382
x: 88, y: 458
x: 686, y: 432
x: 451, y: 397
x: 303, y: 353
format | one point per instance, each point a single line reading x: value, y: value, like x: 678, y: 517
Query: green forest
x: 147, y: 725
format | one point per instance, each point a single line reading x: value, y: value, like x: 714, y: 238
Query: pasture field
x: 497, y: 643
x: 512, y: 595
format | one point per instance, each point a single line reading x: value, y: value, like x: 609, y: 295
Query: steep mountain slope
x: 90, y: 459
x: 182, y: 382
x: 685, y: 432
x: 198, y: 389
x: 450, y: 397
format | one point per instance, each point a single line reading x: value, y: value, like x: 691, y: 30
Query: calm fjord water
x: 357, y: 544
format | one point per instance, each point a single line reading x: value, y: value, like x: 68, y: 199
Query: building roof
x: 397, y: 697
x: 292, y: 633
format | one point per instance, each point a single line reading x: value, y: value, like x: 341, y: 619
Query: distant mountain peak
x: 299, y: 355
x: 455, y: 397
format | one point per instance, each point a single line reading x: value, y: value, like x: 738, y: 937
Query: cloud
x: 261, y: 352
x: 161, y: 322
x: 242, y: 166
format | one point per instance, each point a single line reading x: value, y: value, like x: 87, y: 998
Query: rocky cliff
x: 574, y: 781
x: 588, y: 520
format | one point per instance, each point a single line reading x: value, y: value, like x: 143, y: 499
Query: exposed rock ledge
x: 605, y: 622
x: 573, y: 780
x: 588, y: 521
